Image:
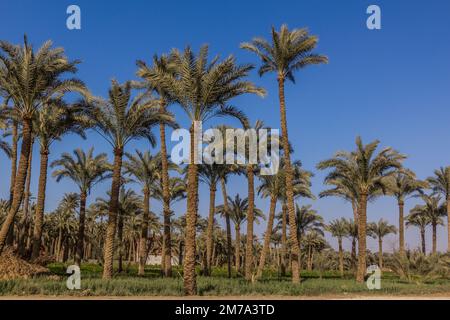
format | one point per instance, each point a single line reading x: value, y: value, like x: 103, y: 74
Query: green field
x: 129, y: 284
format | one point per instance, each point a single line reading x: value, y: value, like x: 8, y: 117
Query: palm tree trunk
x: 15, y: 139
x: 362, y: 216
x: 434, y: 226
x: 353, y: 254
x: 20, y: 181
x: 289, y: 183
x: 80, y: 239
x: 25, y: 221
x: 283, y: 239
x: 228, y: 223
x: 250, y: 219
x: 267, y: 235
x: 237, y: 253
x: 190, y: 283
x: 144, y: 233
x: 401, y: 228
x: 113, y: 211
x: 167, y: 252
x: 120, y: 242
x: 40, y: 206
x: 422, y: 239
x: 209, y: 235
x: 380, y: 252
x: 341, y: 257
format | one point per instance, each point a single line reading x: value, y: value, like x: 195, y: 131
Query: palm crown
x: 289, y: 51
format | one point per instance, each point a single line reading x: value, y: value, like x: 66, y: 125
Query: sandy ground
x: 440, y: 296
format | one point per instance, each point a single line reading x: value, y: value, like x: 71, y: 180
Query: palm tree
x: 129, y: 204
x: 225, y: 171
x: 338, y: 229
x: 434, y: 210
x: 289, y: 51
x: 440, y: 184
x: 210, y: 175
x: 31, y: 79
x: 8, y: 121
x: 307, y: 220
x: 401, y: 185
x: 64, y: 221
x: 345, y: 190
x: 378, y: 231
x: 145, y: 169
x: 85, y: 170
x: 238, y: 210
x: 49, y: 125
x: 420, y: 220
x: 367, y: 171
x: 151, y: 76
x: 203, y: 90
x: 4, y: 146
x: 273, y: 186
x: 120, y: 120
x: 352, y: 234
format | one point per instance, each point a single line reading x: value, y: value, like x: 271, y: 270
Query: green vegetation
x: 152, y: 284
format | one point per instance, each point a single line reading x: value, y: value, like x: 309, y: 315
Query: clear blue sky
x: 391, y: 84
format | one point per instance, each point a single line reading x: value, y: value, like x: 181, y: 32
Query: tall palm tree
x: 210, y: 175
x: 378, y: 231
x: 435, y: 211
x: 440, y: 184
x: 288, y: 52
x: 85, y: 170
x: 50, y: 124
x: 367, y: 171
x: 418, y: 219
x: 401, y: 185
x: 338, y: 229
x: 151, y: 76
x: 120, y: 120
x: 145, y: 169
x: 30, y: 79
x: 203, y: 89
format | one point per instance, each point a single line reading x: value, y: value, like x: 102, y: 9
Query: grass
x: 152, y: 284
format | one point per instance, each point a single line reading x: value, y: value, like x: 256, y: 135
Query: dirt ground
x: 439, y: 296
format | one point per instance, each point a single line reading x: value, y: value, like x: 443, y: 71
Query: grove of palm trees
x: 136, y: 222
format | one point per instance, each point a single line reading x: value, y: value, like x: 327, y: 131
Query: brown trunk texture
x: 190, y: 281
x: 362, y: 216
x: 289, y: 190
x: 19, y: 183
x: 250, y: 219
x: 113, y: 212
x: 144, y: 233
x: 267, y: 235
x: 228, y: 224
x: 40, y: 206
x: 209, y: 233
